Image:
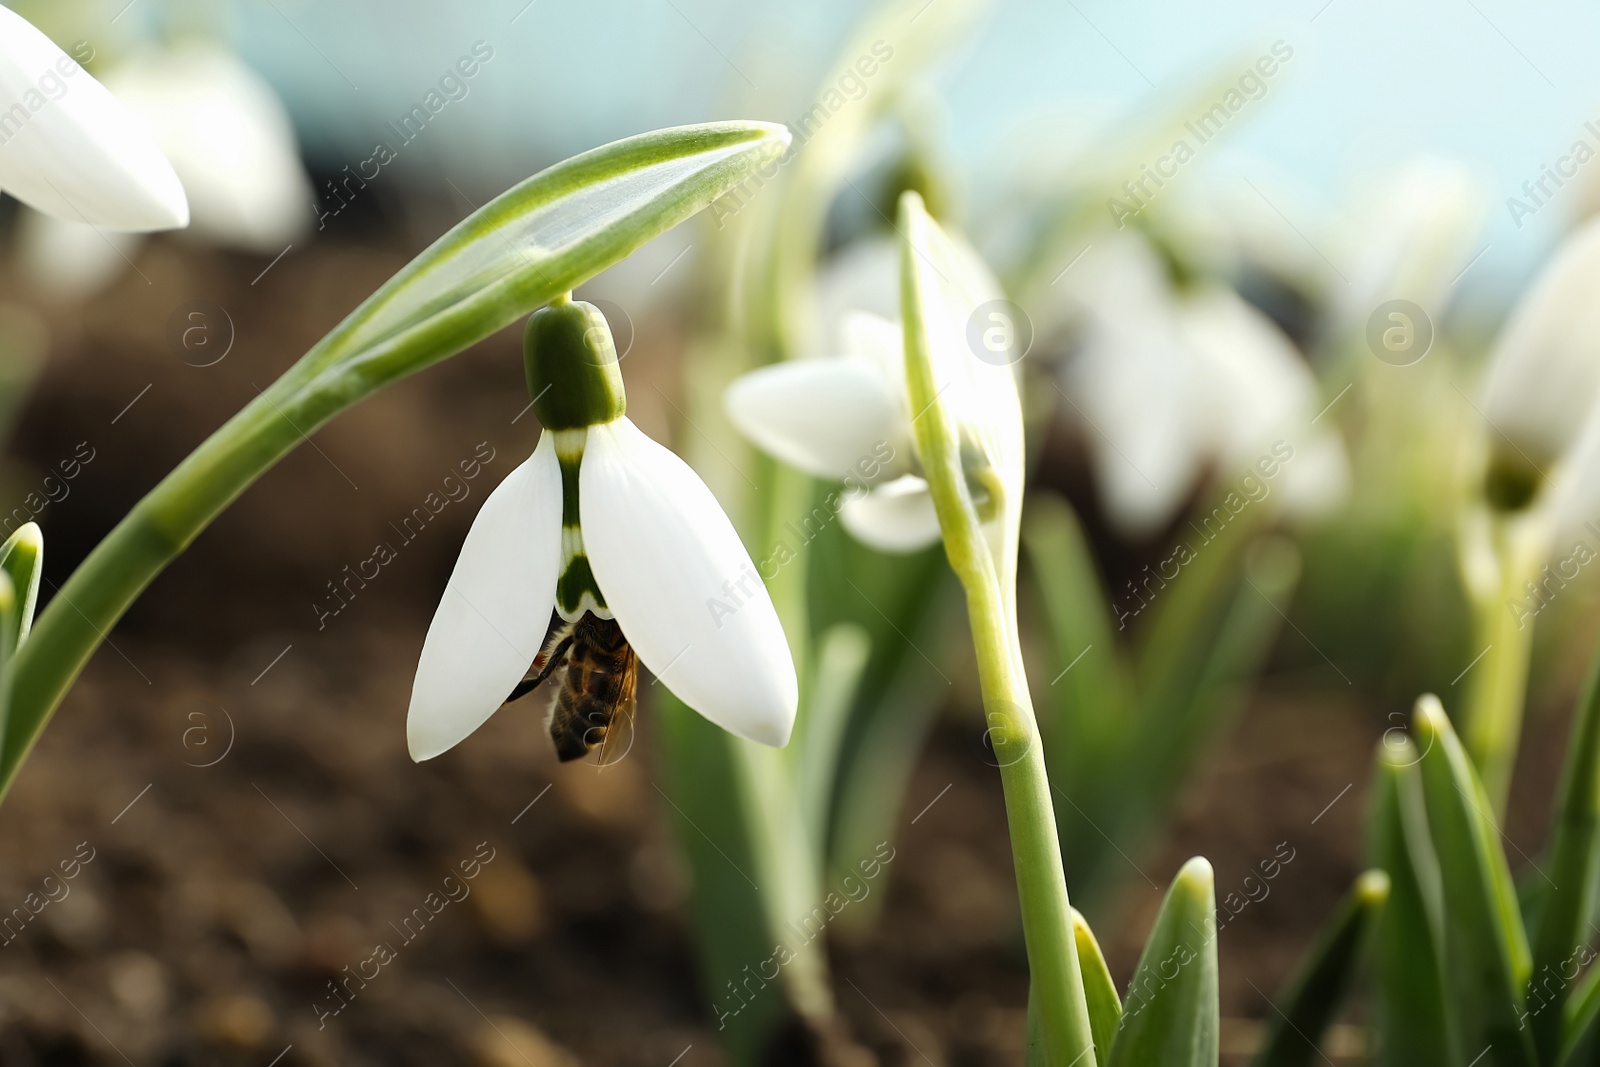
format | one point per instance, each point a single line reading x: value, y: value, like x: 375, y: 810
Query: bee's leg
x: 557, y: 656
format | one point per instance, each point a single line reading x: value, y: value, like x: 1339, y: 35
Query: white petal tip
x: 775, y: 736
x: 424, y: 739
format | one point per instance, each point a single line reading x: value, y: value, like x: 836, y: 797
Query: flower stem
x: 1503, y: 637
x: 1498, y: 683
x: 1030, y: 815
x: 983, y: 555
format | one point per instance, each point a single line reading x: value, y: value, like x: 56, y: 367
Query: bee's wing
x: 627, y: 703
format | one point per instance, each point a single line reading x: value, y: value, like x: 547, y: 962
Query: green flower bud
x: 571, y: 364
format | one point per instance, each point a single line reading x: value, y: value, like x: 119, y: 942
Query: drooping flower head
x: 602, y: 546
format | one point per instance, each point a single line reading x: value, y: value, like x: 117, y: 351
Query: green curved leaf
x: 1099, y: 991
x: 1409, y: 988
x: 22, y: 559
x: 561, y: 226
x: 1318, y: 992
x: 1560, y: 924
x: 1485, y: 947
x: 1170, y: 1017
x: 1580, y: 1023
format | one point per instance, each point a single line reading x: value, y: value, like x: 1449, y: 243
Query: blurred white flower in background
x: 1173, y: 384
x: 69, y: 148
x: 228, y: 137
x: 1543, y: 381
x: 1409, y: 240
x: 231, y: 144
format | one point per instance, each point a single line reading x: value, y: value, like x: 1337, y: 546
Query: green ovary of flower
x: 571, y: 365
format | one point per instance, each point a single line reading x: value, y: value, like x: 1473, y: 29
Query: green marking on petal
x: 577, y: 583
x: 569, y: 490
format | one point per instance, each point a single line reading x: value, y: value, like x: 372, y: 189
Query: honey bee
x: 598, y: 676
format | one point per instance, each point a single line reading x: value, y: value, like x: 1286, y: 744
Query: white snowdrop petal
x: 495, y: 610
x: 681, y: 585
x: 1259, y: 387
x: 895, y: 517
x: 69, y: 149
x: 1140, y: 400
x: 230, y: 141
x: 863, y: 278
x: 1543, y: 377
x: 824, y: 416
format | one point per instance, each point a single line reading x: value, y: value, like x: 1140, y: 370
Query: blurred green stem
x: 1501, y: 556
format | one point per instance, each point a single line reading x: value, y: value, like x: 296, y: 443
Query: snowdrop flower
x: 848, y: 418
x: 69, y: 149
x: 1170, y: 385
x: 624, y: 542
x: 1542, y: 386
x: 1411, y: 239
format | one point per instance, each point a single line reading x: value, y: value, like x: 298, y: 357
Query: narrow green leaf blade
x: 570, y: 220
x: 842, y: 655
x: 1089, y: 707
x: 1170, y: 1017
x: 1295, y: 1030
x: 1560, y: 925
x: 1105, y: 1009
x: 1580, y: 1023
x: 1485, y: 947
x: 1409, y: 997
x: 22, y: 559
x: 10, y: 614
